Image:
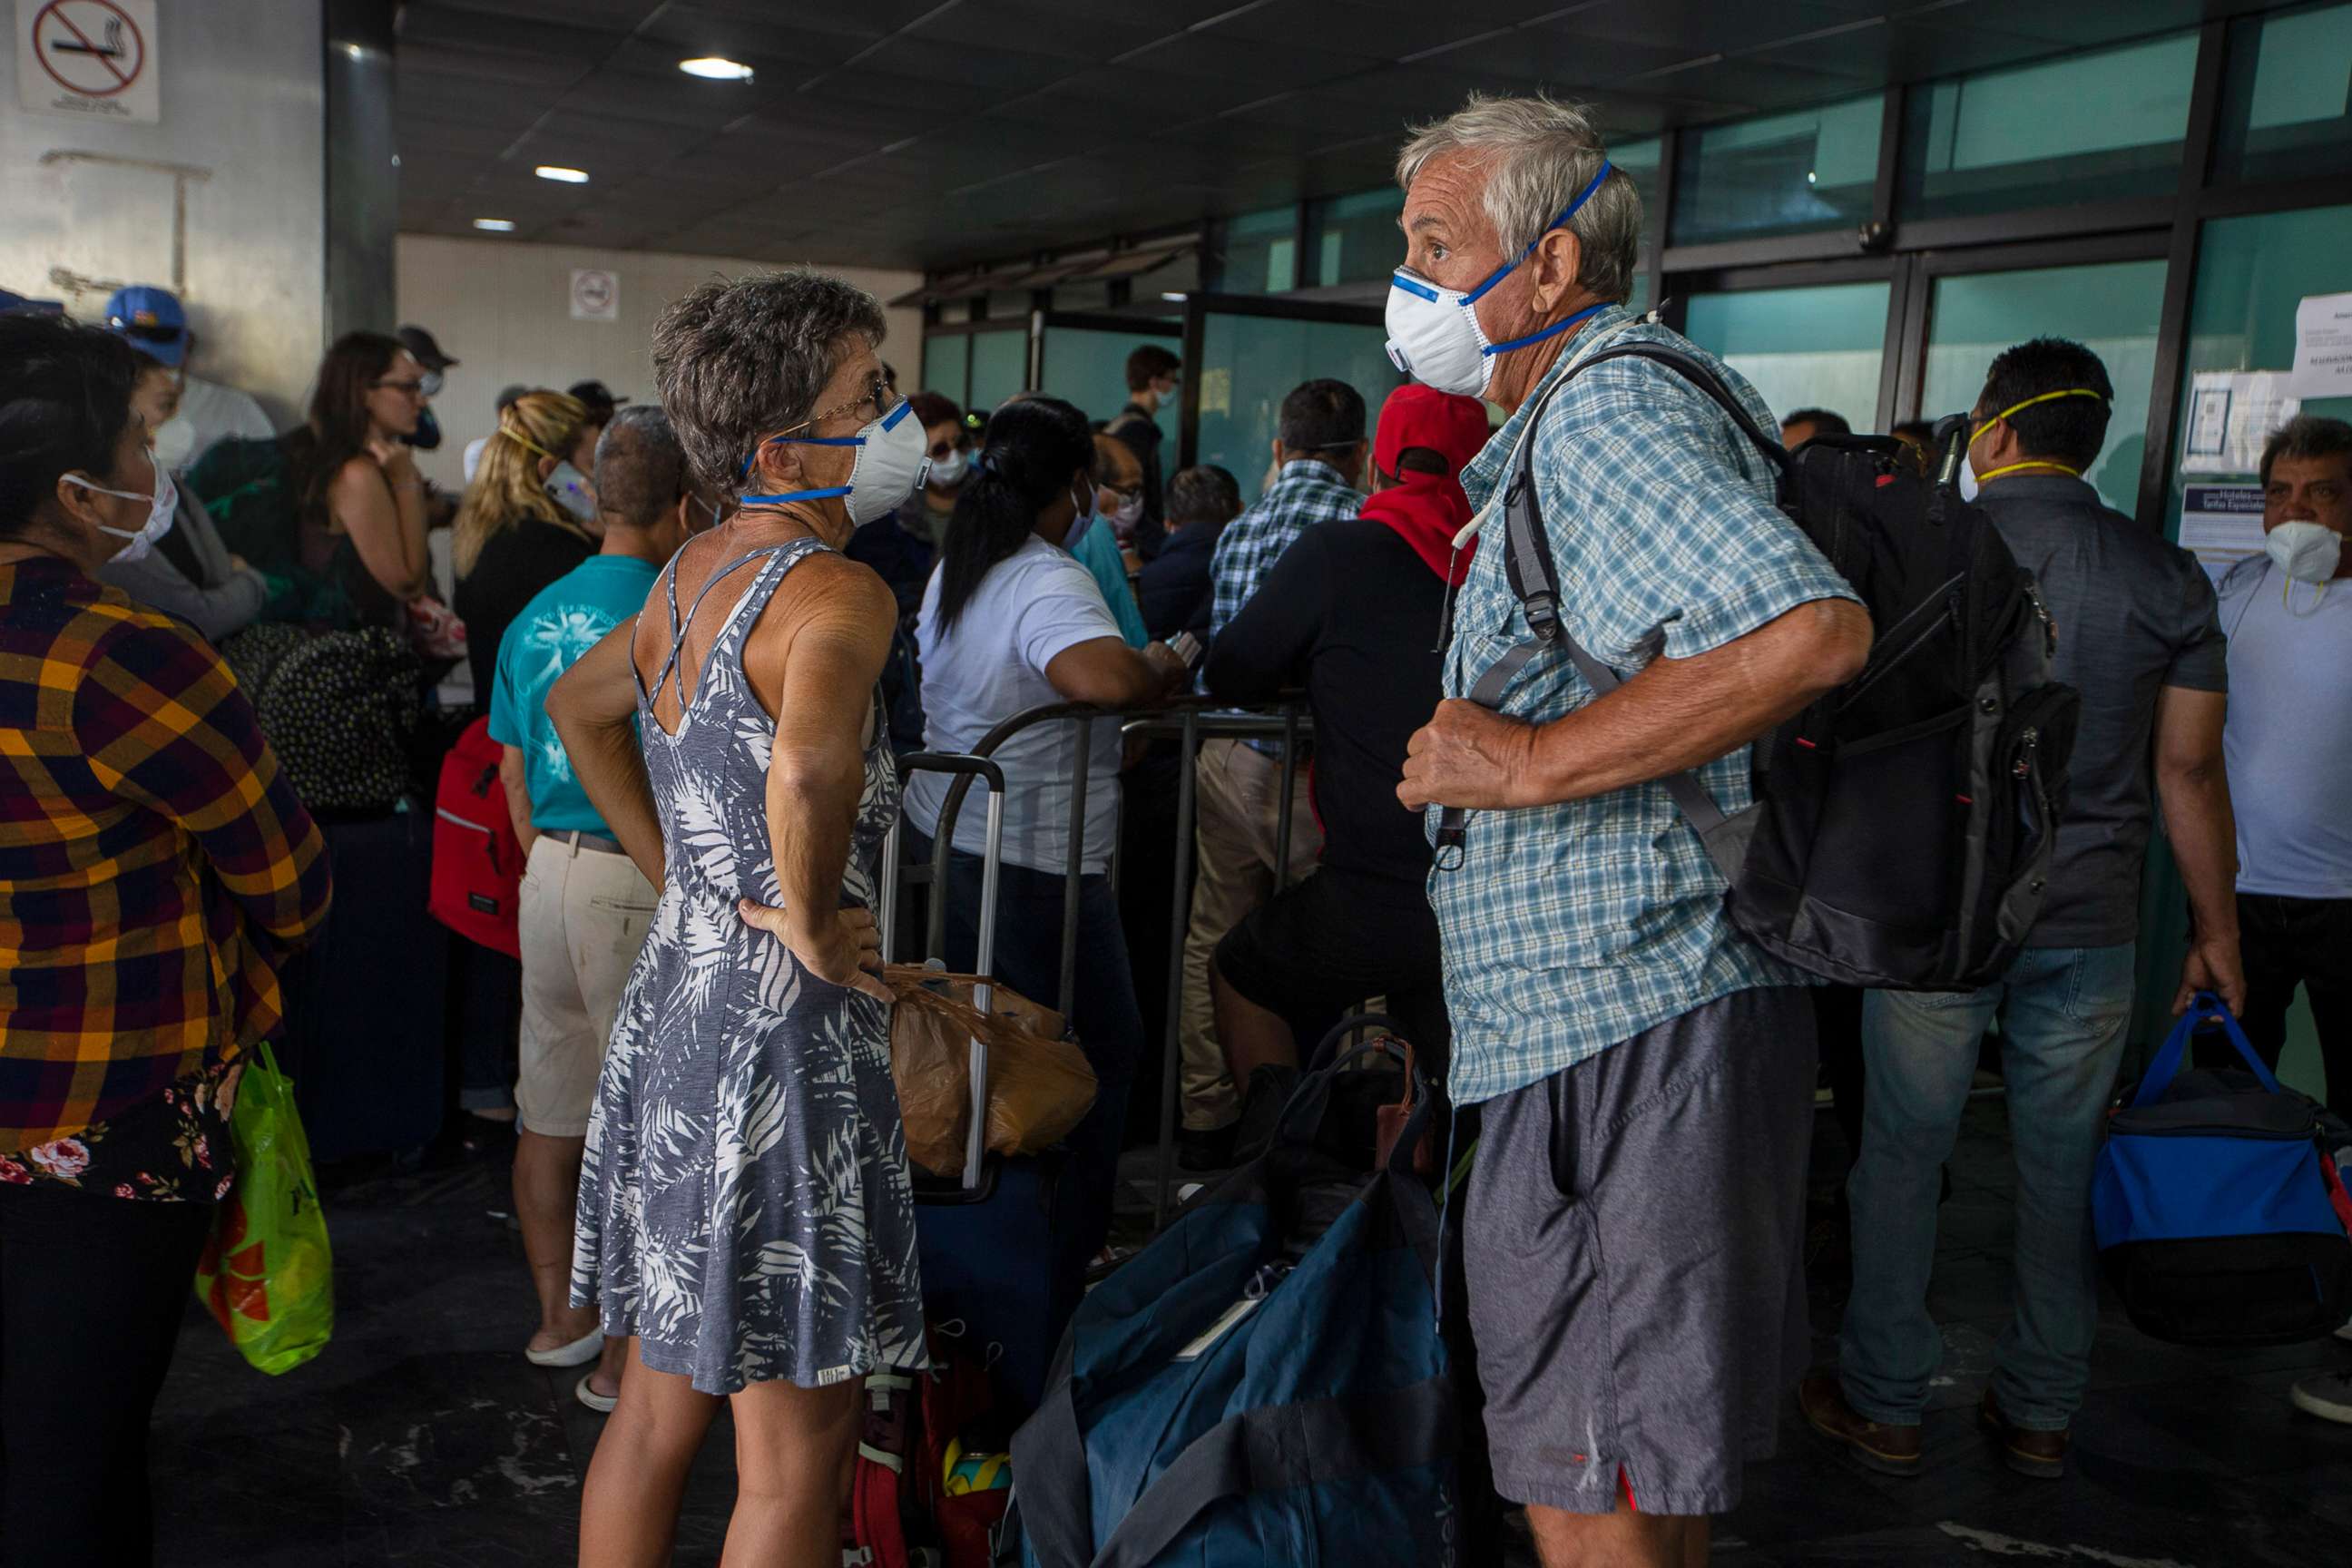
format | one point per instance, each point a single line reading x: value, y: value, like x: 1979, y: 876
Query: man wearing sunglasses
x: 157, y: 326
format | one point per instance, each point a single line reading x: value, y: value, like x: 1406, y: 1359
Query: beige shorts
x: 582, y: 917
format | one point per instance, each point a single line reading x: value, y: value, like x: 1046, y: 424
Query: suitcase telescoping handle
x: 975, y: 1148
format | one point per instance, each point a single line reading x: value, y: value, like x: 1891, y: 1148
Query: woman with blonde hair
x: 529, y: 518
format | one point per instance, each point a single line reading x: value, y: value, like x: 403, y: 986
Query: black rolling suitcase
x: 989, y: 1241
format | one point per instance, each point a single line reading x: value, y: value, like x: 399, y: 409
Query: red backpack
x: 901, y: 1513
x: 477, y: 860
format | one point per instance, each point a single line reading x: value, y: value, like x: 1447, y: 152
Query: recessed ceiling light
x: 714, y: 67
x: 496, y: 225
x: 561, y: 174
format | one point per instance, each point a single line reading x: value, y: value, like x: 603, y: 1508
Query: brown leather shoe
x: 1889, y: 1450
x: 2041, y: 1455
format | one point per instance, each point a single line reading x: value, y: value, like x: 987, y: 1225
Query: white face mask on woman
x: 572, y: 489
x: 161, y: 507
x: 948, y: 471
x: 891, y: 461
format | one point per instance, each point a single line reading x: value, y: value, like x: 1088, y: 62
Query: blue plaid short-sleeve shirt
x: 1570, y: 928
x: 1308, y: 491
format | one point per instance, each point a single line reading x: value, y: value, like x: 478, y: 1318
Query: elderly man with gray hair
x: 584, y: 906
x: 1634, y: 1221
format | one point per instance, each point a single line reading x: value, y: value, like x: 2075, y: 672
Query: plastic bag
x: 1039, y: 1085
x: 267, y: 1274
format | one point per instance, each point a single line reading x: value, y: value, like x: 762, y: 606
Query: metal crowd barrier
x: 1189, y: 720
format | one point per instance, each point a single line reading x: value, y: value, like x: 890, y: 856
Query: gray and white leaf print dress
x: 744, y: 1206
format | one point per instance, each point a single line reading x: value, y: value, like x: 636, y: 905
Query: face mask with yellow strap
x: 2035, y: 462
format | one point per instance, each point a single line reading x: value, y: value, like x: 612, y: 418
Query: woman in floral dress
x: 745, y: 1216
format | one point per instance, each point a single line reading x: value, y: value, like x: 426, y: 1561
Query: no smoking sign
x: 595, y: 295
x: 94, y: 59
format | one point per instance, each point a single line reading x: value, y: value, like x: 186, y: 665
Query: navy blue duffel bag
x: 2220, y: 1214
x: 1251, y: 1389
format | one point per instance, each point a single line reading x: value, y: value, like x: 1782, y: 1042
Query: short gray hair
x: 640, y: 467
x: 739, y: 360
x: 2308, y: 436
x: 1537, y: 154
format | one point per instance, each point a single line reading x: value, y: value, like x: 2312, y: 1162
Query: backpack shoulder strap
x: 1528, y: 564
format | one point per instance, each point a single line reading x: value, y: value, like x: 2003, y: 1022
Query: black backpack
x: 248, y: 486
x: 1903, y: 825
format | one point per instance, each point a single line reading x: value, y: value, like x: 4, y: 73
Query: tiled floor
x: 423, y: 1437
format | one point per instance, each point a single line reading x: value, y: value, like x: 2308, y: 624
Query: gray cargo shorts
x: 1633, y: 1234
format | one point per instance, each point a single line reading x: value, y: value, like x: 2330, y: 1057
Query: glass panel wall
x: 947, y: 359
x: 2251, y: 274
x: 1354, y: 240
x: 1261, y: 253
x: 2286, y: 101
x: 1640, y: 160
x: 1249, y: 363
x: 2088, y: 127
x: 1088, y: 368
x: 2111, y: 309
x: 1815, y: 347
x: 1784, y: 173
x: 1000, y: 366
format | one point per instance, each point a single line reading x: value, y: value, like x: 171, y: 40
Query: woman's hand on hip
x: 844, y: 950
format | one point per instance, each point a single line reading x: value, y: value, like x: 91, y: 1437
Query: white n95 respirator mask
x: 891, y: 461
x: 1434, y: 335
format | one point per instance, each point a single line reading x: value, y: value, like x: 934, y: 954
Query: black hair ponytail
x: 1033, y: 447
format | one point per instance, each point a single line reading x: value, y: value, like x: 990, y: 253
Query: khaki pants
x: 1237, y: 804
x: 581, y: 917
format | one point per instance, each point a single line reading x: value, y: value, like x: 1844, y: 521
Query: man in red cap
x: 1351, y: 611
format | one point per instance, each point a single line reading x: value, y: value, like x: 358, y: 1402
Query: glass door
x: 1812, y: 346
x: 1243, y: 356
x: 1083, y: 361
x: 2112, y: 307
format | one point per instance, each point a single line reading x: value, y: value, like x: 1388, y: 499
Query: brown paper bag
x: 1039, y: 1085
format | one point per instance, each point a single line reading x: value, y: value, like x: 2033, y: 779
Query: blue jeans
x: 1103, y: 1009
x: 2063, y: 1014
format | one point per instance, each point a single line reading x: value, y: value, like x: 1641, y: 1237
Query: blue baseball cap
x: 153, y: 322
x: 12, y: 303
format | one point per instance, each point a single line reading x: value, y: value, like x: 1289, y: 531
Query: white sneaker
x: 2327, y: 1397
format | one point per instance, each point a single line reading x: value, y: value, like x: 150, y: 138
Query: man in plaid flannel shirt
x: 1633, y: 1222
x: 1319, y: 449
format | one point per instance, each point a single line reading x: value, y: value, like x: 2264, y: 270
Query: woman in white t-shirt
x: 1012, y: 621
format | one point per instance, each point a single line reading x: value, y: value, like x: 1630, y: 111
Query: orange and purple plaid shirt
x: 155, y: 864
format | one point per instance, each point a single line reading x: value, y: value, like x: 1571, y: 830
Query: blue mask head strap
x: 1575, y: 206
x: 1551, y: 331
x: 887, y: 422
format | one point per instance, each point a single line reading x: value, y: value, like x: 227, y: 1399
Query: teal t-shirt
x: 1097, y: 552
x: 571, y: 616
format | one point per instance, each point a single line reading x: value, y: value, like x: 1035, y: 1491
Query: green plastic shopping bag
x: 265, y: 1273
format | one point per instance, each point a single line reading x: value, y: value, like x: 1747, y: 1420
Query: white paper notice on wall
x: 2323, y: 346
x: 595, y: 295
x: 2231, y: 413
x: 2222, y: 525
x: 89, y: 59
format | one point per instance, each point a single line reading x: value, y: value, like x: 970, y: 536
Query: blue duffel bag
x: 2218, y: 1212
x: 1246, y: 1390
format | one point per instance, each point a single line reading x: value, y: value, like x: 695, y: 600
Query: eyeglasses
x: 405, y: 388
x: 939, y: 449
x: 878, y: 396
x: 1125, y: 493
